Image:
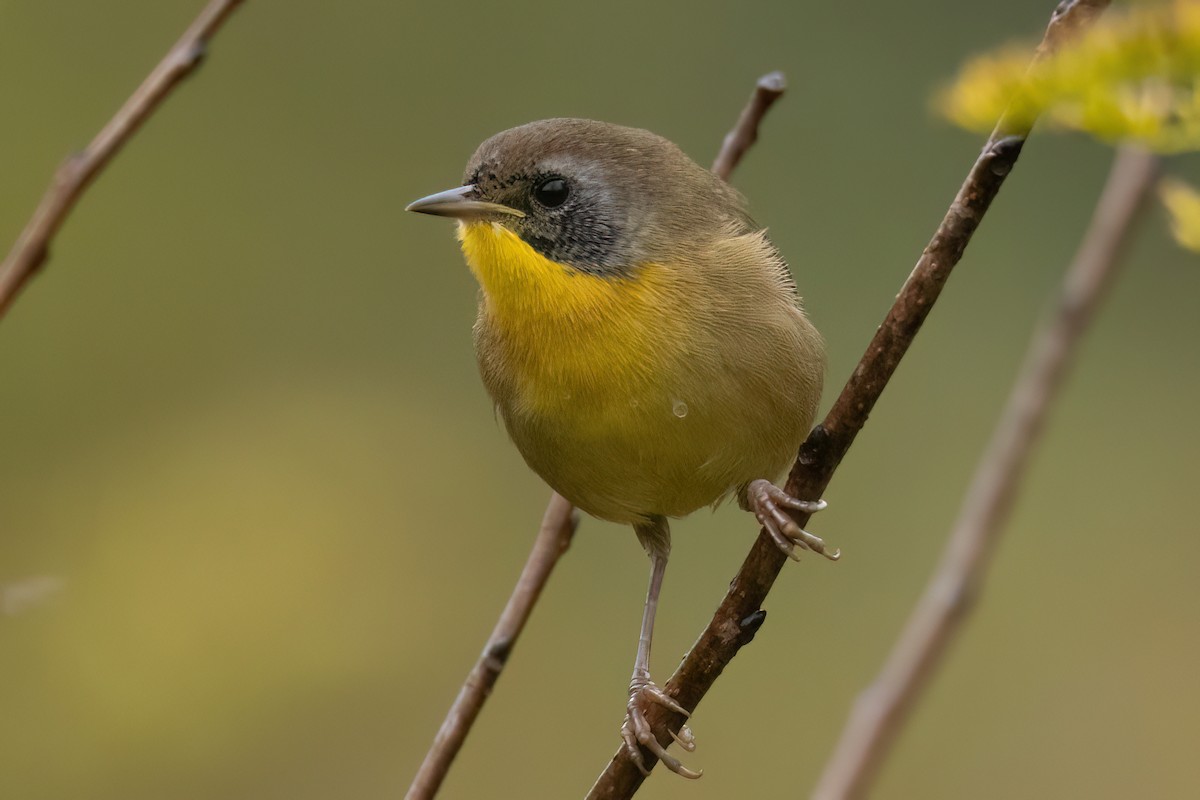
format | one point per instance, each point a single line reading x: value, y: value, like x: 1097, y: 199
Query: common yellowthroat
x: 642, y: 340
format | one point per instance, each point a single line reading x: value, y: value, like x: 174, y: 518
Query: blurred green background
x: 241, y: 423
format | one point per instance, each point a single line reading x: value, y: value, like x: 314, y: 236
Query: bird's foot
x: 636, y: 729
x: 765, y: 500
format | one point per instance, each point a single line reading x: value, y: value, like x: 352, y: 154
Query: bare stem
x: 882, y: 709
x: 544, y: 556
x: 770, y: 87
x: 558, y: 527
x: 75, y: 173
x: 739, y: 615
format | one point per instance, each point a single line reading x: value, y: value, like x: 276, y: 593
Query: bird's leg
x: 636, y: 729
x: 767, y: 501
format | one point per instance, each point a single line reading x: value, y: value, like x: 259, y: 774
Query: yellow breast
x: 656, y: 391
x: 567, y: 333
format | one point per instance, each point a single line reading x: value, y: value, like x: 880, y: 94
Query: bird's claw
x: 637, y: 733
x: 684, y: 738
x: 766, y: 500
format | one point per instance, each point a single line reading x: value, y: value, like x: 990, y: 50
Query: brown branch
x: 770, y: 87
x: 882, y: 709
x: 739, y: 615
x: 77, y: 172
x: 545, y: 554
x: 553, y: 539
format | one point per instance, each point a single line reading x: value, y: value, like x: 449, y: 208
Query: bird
x: 642, y: 340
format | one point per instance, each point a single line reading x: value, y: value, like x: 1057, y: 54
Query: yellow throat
x: 563, y: 329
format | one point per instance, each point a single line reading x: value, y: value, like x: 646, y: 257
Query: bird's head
x: 596, y: 197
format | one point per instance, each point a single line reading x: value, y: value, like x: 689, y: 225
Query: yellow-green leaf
x: 1183, y: 204
x: 1135, y: 76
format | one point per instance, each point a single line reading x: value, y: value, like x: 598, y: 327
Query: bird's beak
x: 460, y: 203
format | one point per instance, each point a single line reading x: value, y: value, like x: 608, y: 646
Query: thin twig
x: 553, y: 539
x: 740, y: 615
x: 882, y: 709
x: 544, y: 556
x: 77, y: 171
x: 770, y: 87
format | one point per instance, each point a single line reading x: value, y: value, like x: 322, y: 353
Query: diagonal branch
x: 77, y: 172
x: 770, y: 87
x: 883, y: 708
x: 553, y: 539
x: 559, y: 524
x: 739, y: 615
x: 558, y: 527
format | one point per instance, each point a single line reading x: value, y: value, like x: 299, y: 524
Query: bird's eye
x: 552, y: 192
